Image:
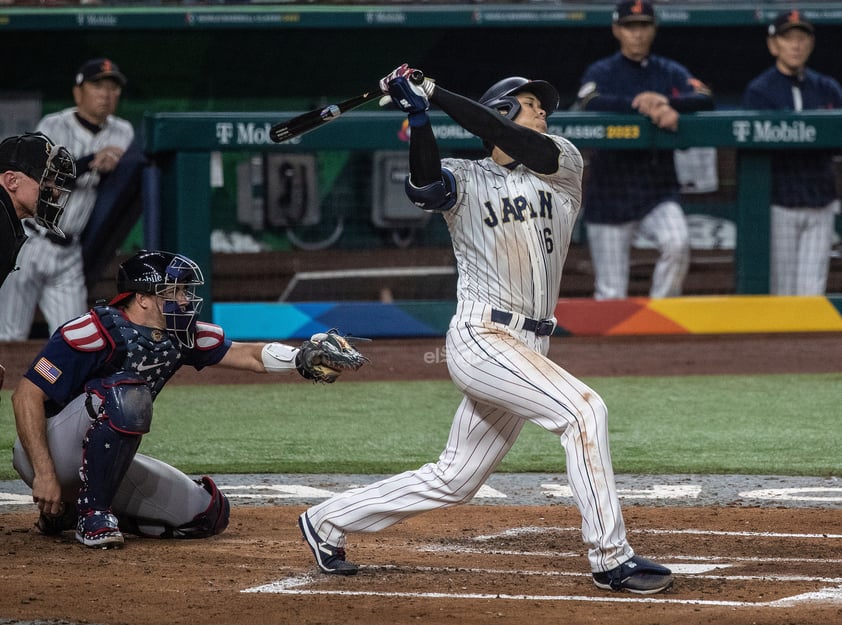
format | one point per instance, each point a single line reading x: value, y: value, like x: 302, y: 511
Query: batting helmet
x: 501, y: 95
x: 50, y: 165
x: 172, y: 277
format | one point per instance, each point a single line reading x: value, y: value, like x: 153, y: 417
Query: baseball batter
x: 86, y: 401
x: 804, y: 197
x: 52, y: 274
x: 510, y: 217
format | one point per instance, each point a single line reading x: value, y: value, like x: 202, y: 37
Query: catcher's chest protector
x: 148, y: 352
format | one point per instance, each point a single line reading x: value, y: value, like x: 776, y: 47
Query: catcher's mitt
x: 326, y: 355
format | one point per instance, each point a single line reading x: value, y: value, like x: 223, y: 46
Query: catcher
x: 84, y: 404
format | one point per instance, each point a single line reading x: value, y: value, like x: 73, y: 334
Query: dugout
x: 265, y: 61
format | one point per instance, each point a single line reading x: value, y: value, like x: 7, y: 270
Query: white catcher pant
x: 610, y: 247
x: 506, y: 380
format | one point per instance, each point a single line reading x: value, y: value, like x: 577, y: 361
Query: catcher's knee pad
x: 126, y: 401
x: 213, y: 520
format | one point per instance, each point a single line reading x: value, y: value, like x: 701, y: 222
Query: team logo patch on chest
x: 518, y: 209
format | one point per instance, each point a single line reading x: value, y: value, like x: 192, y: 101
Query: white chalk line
x: 294, y: 586
x: 769, y: 577
x: 528, y: 530
x: 572, y: 554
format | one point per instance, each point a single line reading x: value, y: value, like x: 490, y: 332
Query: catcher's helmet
x: 50, y: 165
x: 501, y: 95
x: 172, y: 277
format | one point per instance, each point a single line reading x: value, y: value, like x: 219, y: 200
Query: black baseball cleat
x: 55, y: 524
x: 330, y: 559
x: 638, y: 575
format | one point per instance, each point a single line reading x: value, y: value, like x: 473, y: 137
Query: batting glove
x: 409, y: 98
x: 427, y: 85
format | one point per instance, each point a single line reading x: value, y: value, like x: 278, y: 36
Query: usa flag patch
x: 48, y: 370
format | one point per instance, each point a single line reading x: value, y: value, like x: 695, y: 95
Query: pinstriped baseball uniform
x: 52, y: 275
x: 511, y: 230
x: 803, y: 186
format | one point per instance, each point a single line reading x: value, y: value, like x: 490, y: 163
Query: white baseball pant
x: 507, y: 380
x: 610, y: 248
x: 800, y: 249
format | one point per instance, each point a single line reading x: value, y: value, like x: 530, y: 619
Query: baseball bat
x: 306, y: 122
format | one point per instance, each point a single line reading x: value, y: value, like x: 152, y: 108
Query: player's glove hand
x: 426, y: 85
x: 326, y: 355
x: 409, y: 98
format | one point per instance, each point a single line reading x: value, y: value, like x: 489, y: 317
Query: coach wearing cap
x: 634, y: 193
x: 804, y: 196
x: 97, y: 140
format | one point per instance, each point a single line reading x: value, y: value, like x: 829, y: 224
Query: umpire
x: 35, y: 180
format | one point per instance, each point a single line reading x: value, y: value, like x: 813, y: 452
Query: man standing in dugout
x: 636, y: 192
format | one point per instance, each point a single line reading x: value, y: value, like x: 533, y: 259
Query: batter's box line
x: 514, y: 532
x: 297, y: 582
x: 293, y: 587
x: 573, y: 554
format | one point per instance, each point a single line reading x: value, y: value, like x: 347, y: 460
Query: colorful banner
x: 576, y: 317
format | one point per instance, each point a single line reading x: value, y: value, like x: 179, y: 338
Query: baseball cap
x: 628, y: 11
x: 97, y: 69
x: 787, y: 21
x: 28, y: 153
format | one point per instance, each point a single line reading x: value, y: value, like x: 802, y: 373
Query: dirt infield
x: 469, y: 565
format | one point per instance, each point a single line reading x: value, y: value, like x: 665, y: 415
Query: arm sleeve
x: 424, y: 158
x: 535, y: 150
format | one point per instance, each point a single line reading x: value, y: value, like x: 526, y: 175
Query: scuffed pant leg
x: 513, y: 373
x: 480, y: 437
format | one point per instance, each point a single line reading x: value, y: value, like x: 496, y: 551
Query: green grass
x: 780, y: 425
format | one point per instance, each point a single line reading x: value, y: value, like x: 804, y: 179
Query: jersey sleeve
x: 596, y: 92
x: 689, y: 94
x: 62, y: 368
x: 211, y: 346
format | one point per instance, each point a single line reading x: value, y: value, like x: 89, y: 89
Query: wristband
x: 279, y: 358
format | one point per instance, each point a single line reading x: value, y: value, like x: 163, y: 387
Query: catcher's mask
x: 172, y: 277
x: 501, y: 96
x: 50, y: 165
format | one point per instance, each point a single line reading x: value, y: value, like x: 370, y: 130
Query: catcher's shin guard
x: 124, y: 414
x: 107, y: 456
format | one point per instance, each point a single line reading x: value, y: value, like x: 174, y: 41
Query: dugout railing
x: 181, y: 146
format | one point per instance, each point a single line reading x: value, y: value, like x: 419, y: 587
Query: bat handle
x: 417, y: 76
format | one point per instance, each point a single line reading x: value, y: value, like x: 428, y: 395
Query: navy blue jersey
x: 92, y: 347
x: 800, y: 178
x: 624, y: 185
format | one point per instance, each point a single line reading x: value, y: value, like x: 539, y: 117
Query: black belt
x: 544, y: 327
x: 53, y: 237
